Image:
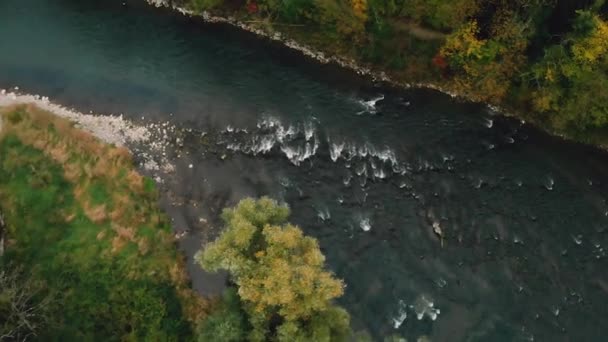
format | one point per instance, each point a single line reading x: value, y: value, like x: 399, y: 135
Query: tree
x: 484, y: 68
x: 592, y: 47
x: 567, y: 79
x: 279, y: 273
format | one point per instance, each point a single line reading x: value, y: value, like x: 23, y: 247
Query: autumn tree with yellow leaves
x: 360, y: 9
x: 487, y: 64
x: 280, y: 275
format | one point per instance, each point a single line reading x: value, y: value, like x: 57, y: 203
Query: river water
x: 443, y: 218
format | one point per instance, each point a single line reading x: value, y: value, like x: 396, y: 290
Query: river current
x: 444, y: 219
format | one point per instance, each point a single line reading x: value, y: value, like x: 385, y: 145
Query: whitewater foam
x: 401, y: 315
x: 335, y: 150
x: 370, y: 105
x: 298, y: 142
x: 365, y: 223
x: 425, y: 308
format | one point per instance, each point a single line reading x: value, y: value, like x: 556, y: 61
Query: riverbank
x: 319, y: 55
x: 430, y: 74
x: 84, y: 223
x: 110, y: 129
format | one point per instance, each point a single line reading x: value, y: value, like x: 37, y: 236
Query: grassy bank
x: 82, y: 222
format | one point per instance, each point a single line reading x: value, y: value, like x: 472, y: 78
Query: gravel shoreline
x: 149, y: 140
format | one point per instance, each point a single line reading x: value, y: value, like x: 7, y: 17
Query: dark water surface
x: 523, y: 216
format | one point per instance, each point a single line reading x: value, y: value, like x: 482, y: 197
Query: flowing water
x: 443, y: 218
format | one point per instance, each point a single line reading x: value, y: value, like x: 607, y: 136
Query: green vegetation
x: 23, y: 305
x: 285, y: 293
x: 96, y: 259
x: 86, y: 228
x: 228, y: 323
x: 545, y: 59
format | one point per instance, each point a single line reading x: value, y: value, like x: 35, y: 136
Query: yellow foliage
x: 593, y: 47
x: 484, y: 69
x: 542, y: 102
x: 549, y: 75
x: 360, y: 8
x: 464, y: 42
x: 285, y: 279
x: 278, y: 270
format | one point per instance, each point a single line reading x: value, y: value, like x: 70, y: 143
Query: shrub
x: 228, y: 323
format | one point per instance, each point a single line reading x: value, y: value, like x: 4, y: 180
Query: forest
x: 546, y: 61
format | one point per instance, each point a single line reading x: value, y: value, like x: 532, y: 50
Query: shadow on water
x: 444, y: 219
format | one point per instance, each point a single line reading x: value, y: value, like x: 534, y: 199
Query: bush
x: 227, y: 324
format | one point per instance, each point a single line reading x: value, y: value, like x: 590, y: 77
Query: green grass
x: 99, y: 193
x: 104, y: 285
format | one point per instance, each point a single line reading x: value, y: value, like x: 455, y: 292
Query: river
x: 443, y: 218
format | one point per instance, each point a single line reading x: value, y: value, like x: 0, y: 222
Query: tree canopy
x: 279, y: 273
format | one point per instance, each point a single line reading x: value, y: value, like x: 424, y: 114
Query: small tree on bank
x: 283, y: 286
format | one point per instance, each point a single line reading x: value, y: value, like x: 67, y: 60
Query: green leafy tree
x: 227, y: 324
x: 570, y: 80
x: 285, y: 290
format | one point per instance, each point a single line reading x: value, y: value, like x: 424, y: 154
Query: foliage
x: 23, y: 305
x: 360, y: 9
x: 569, y: 80
x: 228, y: 323
x: 499, y: 51
x: 279, y: 273
x: 483, y: 63
x: 342, y: 18
x: 464, y: 45
x: 592, y: 45
x: 440, y: 14
x: 291, y: 11
x: 81, y: 221
x: 203, y: 5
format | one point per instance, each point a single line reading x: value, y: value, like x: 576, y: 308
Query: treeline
x: 548, y: 59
